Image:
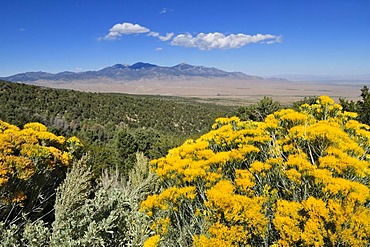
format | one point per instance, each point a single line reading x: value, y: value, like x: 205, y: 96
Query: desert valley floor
x: 221, y: 89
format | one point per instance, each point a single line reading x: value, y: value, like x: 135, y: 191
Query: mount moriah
x: 137, y: 71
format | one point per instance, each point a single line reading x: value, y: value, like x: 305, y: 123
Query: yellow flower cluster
x: 171, y: 197
x: 152, y: 241
x: 241, y: 212
x: 298, y: 178
x: 25, y: 152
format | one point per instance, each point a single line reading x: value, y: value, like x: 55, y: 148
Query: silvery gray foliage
x: 33, y: 234
x: 36, y: 234
x: 8, y: 236
x: 107, y: 215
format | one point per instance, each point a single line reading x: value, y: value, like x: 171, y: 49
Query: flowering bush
x: 33, y: 162
x: 300, y: 178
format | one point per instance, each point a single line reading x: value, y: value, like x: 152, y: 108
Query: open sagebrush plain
x: 223, y: 90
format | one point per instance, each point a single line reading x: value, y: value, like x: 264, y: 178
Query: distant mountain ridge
x: 134, y: 72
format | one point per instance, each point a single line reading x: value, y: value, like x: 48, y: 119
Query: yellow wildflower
x: 152, y: 241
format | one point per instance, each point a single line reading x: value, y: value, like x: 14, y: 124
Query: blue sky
x: 259, y: 37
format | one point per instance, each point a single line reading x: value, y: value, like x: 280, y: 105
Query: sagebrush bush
x: 299, y: 178
x: 103, y: 215
x: 31, y: 234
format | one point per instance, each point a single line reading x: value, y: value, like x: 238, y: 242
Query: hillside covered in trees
x: 68, y: 111
x: 114, y: 126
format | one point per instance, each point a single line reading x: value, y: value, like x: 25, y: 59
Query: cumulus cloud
x: 202, y: 41
x: 167, y: 37
x: 209, y: 41
x: 125, y: 28
x: 153, y: 34
x: 162, y: 38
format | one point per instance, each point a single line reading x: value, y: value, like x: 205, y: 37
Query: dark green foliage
x: 361, y: 107
x: 125, y: 147
x: 148, y: 142
x: 128, y: 142
x: 259, y: 111
x: 96, y: 115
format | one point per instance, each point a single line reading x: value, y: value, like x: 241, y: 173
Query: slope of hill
x: 70, y: 110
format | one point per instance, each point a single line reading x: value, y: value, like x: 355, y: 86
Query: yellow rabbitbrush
x: 33, y: 162
x: 296, y: 179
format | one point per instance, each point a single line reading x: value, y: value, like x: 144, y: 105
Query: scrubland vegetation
x: 88, y: 169
x: 112, y: 126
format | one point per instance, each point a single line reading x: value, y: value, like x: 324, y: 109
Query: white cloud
x: 167, y: 37
x: 209, y: 41
x: 165, y: 10
x: 202, y: 41
x: 278, y: 39
x: 153, y: 34
x: 158, y: 49
x: 125, y: 28
x: 162, y: 38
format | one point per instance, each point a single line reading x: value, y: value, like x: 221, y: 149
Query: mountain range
x: 186, y: 80
x: 135, y: 72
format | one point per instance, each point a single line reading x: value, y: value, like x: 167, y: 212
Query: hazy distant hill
x: 137, y: 71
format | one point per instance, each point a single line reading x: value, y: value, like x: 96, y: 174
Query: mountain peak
x: 183, y: 66
x: 119, y: 66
